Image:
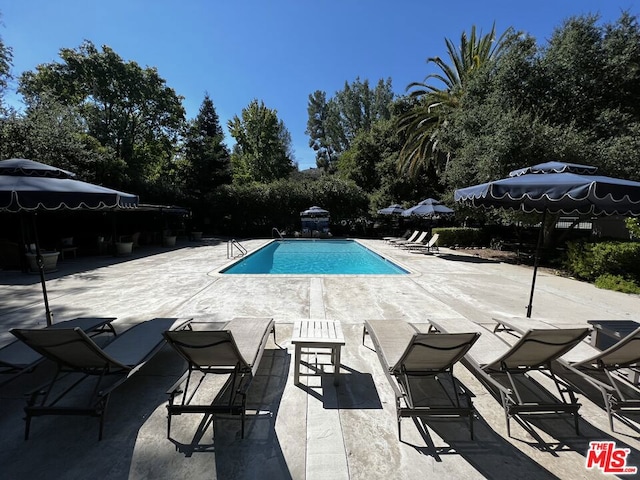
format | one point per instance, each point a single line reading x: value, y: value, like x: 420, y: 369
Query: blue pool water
x: 324, y: 257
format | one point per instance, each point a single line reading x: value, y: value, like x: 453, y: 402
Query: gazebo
x: 315, y: 222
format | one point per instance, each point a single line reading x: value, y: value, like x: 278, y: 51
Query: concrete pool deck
x: 302, y: 432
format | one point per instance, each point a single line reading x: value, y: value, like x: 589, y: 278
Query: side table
x: 317, y: 334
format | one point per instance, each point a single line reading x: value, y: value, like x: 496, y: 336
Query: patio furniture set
x: 417, y: 359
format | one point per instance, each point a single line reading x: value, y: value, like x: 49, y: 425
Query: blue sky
x: 277, y: 51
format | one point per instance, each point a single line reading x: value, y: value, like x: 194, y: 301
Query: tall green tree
x: 323, y: 131
x: 421, y: 125
x: 207, y: 158
x: 262, y: 152
x: 333, y: 124
x: 542, y: 103
x: 54, y: 134
x: 127, y: 108
x: 6, y: 61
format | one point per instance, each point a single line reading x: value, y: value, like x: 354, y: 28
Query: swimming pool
x: 322, y: 257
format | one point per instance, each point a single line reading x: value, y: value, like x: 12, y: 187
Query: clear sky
x: 276, y: 51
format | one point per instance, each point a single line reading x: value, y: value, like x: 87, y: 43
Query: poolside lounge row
x: 418, y: 360
x: 417, y: 241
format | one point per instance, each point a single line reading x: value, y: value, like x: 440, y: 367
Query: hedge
x: 589, y: 261
x: 460, y: 237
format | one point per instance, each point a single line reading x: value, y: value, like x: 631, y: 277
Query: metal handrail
x: 230, y: 244
x: 274, y: 229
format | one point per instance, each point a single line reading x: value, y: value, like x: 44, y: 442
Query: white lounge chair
x: 426, y: 247
x: 405, y: 236
x: 418, y: 241
x: 412, y: 238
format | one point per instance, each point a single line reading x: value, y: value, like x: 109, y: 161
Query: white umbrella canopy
x: 429, y: 208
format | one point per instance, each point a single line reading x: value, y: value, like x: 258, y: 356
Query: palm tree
x: 421, y: 125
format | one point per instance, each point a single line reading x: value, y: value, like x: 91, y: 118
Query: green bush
x: 589, y: 261
x: 617, y: 283
x: 460, y: 237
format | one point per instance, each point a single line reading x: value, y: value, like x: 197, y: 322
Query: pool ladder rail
x: 230, y: 246
x: 277, y: 232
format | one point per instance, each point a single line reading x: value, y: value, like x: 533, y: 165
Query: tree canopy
x: 207, y: 161
x: 127, y: 108
x: 333, y: 124
x: 575, y: 100
x: 421, y: 125
x: 263, y: 145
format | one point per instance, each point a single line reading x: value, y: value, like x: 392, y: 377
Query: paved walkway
x: 302, y: 432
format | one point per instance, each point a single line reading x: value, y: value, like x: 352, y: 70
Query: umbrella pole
x: 536, y: 260
x: 40, y: 263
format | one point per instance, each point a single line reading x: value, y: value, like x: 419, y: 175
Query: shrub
x: 591, y: 260
x: 460, y: 237
x: 617, y: 283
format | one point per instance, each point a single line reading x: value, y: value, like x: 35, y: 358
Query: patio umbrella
x: 314, y: 212
x: 429, y: 208
x: 555, y: 187
x: 29, y: 186
x: 394, y: 209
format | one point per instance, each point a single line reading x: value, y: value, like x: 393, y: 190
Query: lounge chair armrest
x: 586, y: 377
x: 485, y: 377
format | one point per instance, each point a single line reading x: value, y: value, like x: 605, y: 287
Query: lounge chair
x: 418, y: 241
x: 412, y: 238
x: 405, y: 236
x: 419, y: 367
x: 234, y: 349
x: 426, y: 247
x: 17, y: 358
x: 76, y: 354
x: 611, y: 373
x: 506, y: 369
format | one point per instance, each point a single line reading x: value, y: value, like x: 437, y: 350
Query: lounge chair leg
x: 243, y: 414
x: 506, y: 416
x: 103, y: 414
x: 101, y: 427
x: 27, y: 426
x: 471, y: 424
